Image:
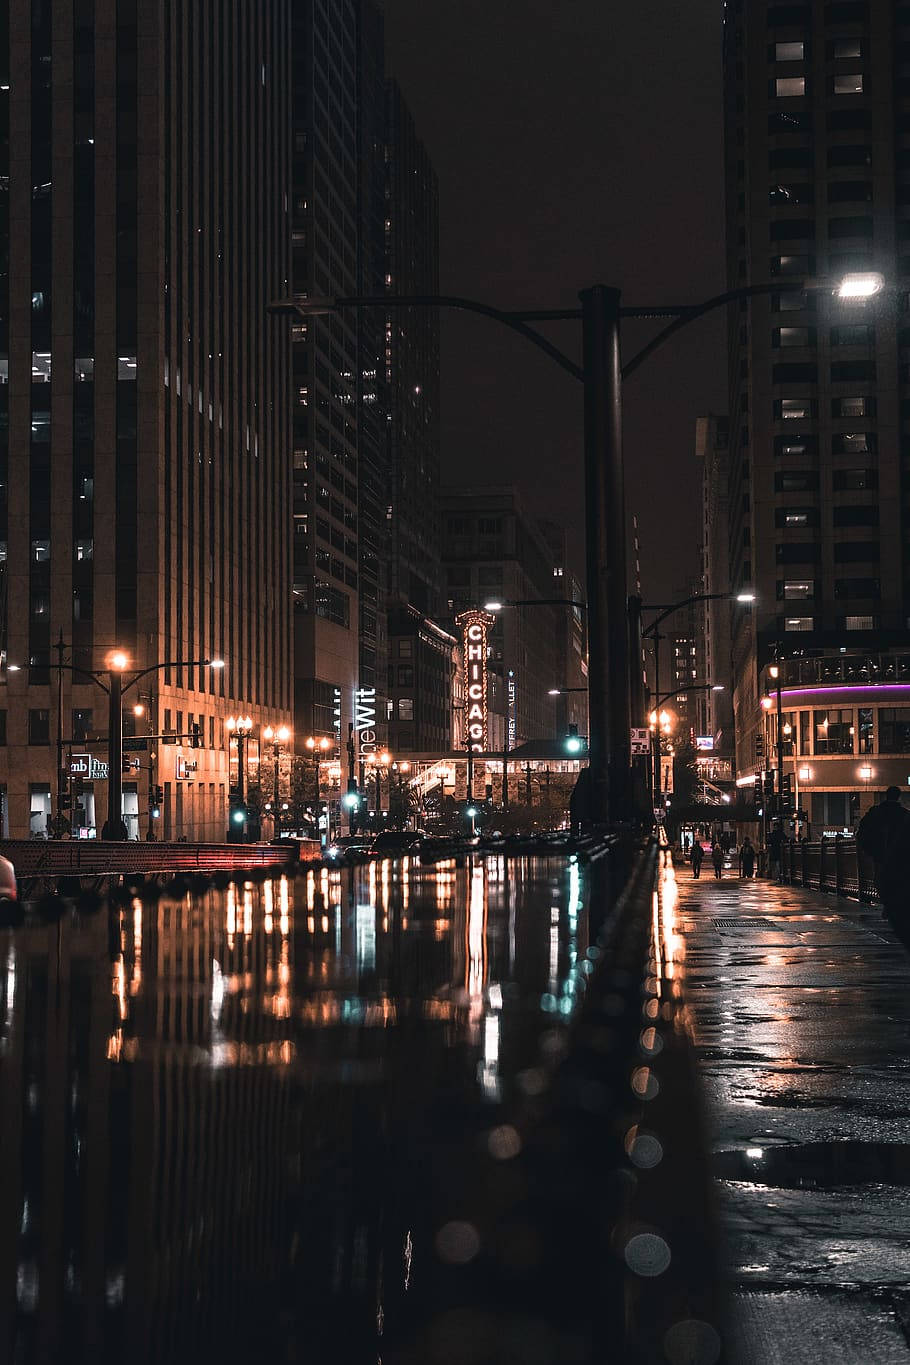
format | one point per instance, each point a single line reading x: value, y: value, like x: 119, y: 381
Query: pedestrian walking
x: 884, y: 836
x: 698, y: 854
x: 775, y: 848
x: 747, y: 858
x: 717, y: 858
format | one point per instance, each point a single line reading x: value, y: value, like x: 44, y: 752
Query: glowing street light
x: 493, y: 606
x: 745, y: 597
x: 861, y: 284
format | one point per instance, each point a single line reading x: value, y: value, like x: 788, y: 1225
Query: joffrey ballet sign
x: 475, y: 626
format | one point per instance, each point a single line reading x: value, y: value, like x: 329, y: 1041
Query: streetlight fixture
x: 277, y: 737
x: 601, y: 374
x: 240, y: 727
x: 863, y: 284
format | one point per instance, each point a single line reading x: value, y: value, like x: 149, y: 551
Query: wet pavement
x: 246, y: 1126
x: 801, y: 1017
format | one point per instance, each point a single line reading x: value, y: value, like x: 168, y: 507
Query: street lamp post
x: 601, y: 375
x: 240, y: 727
x: 277, y: 737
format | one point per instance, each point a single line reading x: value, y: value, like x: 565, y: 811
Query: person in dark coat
x: 717, y: 858
x: 775, y: 849
x: 697, y: 854
x: 747, y: 858
x: 884, y: 836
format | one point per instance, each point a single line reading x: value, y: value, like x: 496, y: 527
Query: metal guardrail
x: 832, y: 864
x: 93, y: 857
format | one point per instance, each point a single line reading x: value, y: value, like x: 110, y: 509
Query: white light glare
x: 492, y: 606
x: 861, y: 285
x: 745, y: 597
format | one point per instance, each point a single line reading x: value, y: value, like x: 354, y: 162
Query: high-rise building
x: 712, y: 451
x: 144, y: 446
x: 818, y: 184
x: 339, y: 426
x: 572, y: 635
x: 412, y: 363
x: 492, y: 550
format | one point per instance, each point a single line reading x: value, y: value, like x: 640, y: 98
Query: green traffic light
x: 574, y: 745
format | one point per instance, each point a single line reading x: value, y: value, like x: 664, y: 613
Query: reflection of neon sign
x: 475, y: 625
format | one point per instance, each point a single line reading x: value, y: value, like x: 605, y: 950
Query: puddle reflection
x: 233, y: 1125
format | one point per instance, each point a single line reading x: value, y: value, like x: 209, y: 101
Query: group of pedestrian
x: 718, y: 853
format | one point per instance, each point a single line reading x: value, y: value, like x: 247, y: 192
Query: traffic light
x: 126, y: 764
x: 759, y: 744
x: 573, y: 744
x: 195, y: 736
x: 786, y: 794
x: 237, y: 817
x: 158, y: 796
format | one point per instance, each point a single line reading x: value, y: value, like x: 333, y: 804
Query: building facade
x: 818, y: 184
x: 493, y: 551
x: 422, y: 662
x: 144, y: 444
x: 712, y: 451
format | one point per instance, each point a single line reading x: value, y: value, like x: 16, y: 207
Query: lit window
x: 795, y: 588
x: 860, y: 623
x: 41, y: 367
x: 850, y: 407
x: 799, y: 623
x: 796, y: 519
x: 85, y: 549
x: 847, y: 47
x: 41, y: 551
x: 126, y: 367
x: 799, y: 408
x: 84, y: 369
x: 851, y: 84
x: 785, y: 87
x: 793, y: 336
x: 405, y: 708
x: 790, y: 52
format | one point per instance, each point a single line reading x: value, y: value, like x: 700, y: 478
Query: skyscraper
x: 818, y: 184
x: 412, y: 362
x: 144, y: 447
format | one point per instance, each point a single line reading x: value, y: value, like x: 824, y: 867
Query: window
x: 789, y: 52
x: 853, y: 334
x: 856, y: 552
x: 849, y: 227
x: 786, y: 87
x: 833, y: 732
x: 866, y: 729
x: 856, y: 516
x: 786, y: 229
x: 793, y: 336
x: 857, y: 587
x: 794, y: 409
x: 894, y: 730
x: 855, y: 480
x: 793, y: 302
x: 796, y: 516
x: 853, y: 443
x: 405, y: 675
x: 851, y: 84
x: 850, y: 191
x: 850, y: 155
x: 792, y: 265
x: 791, y: 158
x: 796, y: 481
x: 799, y: 623
x: 489, y: 526
x: 853, y: 407
x: 405, y: 649
x: 82, y: 725
x: 84, y: 550
x: 846, y: 47
x: 39, y: 727
x: 794, y: 589
x: 795, y: 445
x: 41, y: 551
x: 405, y: 708
x: 789, y: 121
x: 791, y: 194
x: 805, y: 553
x: 845, y: 120
x: 853, y: 372
x: 789, y: 14
x: 806, y: 373
x: 860, y: 623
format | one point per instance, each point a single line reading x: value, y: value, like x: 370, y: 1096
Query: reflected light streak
x: 231, y: 914
x: 10, y: 986
x: 477, y: 935
x: 269, y: 898
x: 284, y: 902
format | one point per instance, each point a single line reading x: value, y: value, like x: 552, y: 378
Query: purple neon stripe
x: 844, y: 689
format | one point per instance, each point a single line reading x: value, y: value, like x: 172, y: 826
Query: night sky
x: 574, y: 145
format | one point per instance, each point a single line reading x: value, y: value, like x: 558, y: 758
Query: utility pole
x: 115, y: 757
x: 61, y: 771
x: 609, y: 720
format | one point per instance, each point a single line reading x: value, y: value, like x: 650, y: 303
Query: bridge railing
x: 94, y: 857
x: 834, y: 864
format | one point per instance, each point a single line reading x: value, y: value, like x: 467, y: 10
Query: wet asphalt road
x: 801, y: 1014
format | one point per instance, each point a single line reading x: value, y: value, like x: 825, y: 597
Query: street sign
x: 89, y: 768
x: 641, y: 741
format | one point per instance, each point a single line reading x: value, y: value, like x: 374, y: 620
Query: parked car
x: 392, y: 841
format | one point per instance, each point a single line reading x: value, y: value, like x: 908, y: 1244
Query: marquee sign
x: 475, y: 626
x: 365, y: 719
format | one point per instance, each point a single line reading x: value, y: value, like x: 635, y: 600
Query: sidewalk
x: 802, y: 1021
